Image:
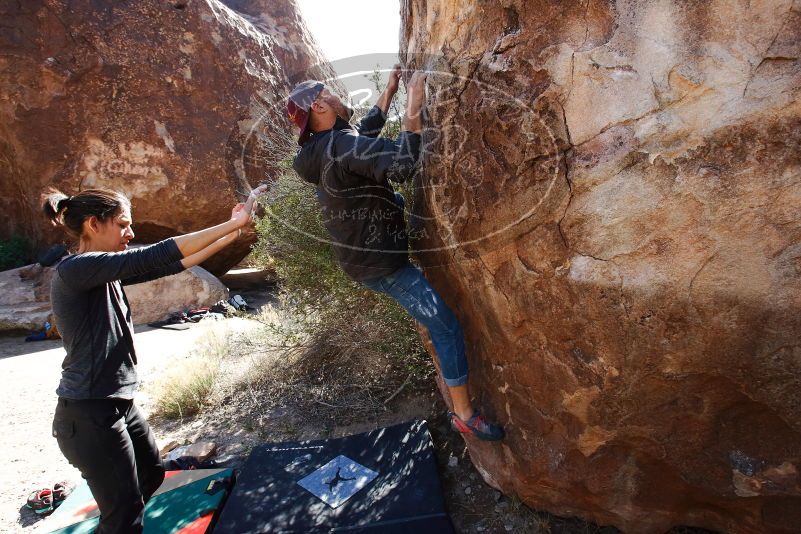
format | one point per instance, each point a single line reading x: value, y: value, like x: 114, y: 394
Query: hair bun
x: 53, y: 204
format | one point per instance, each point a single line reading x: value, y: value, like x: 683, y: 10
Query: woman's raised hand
x: 241, y: 215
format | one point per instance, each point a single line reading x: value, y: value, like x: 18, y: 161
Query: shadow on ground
x: 13, y: 345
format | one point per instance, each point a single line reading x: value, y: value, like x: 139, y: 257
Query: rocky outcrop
x: 25, y: 296
x: 188, y: 290
x: 610, y: 199
x: 180, y: 104
x: 248, y: 278
x: 297, y: 51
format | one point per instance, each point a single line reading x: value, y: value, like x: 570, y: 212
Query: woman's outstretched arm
x: 202, y: 255
x: 194, y: 242
x: 190, y: 261
x: 91, y: 269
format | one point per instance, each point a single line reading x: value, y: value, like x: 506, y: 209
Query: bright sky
x: 346, y: 28
x: 365, y: 30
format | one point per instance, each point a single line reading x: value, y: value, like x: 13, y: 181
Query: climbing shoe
x: 477, y: 426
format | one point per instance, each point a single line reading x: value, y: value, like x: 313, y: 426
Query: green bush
x: 349, y: 350
x: 353, y: 349
x: 293, y: 240
x: 14, y: 252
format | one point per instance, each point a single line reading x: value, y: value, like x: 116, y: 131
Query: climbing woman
x: 98, y: 427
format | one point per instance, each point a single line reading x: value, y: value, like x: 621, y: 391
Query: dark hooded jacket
x: 351, y: 168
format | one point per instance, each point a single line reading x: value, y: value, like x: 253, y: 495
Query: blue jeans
x: 411, y: 290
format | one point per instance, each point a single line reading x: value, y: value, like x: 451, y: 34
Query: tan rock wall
x: 25, y: 296
x: 179, y: 104
x: 610, y: 198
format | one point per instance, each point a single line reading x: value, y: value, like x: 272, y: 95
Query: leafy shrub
x: 352, y: 348
x: 294, y: 241
x: 14, y: 252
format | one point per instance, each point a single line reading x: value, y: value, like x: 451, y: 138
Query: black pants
x: 112, y: 446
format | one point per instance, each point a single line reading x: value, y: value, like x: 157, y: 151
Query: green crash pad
x: 185, y: 503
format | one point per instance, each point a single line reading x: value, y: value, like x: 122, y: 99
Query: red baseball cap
x: 299, y: 104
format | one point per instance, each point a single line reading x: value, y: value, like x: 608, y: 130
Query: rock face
x: 297, y: 51
x: 610, y: 199
x: 25, y: 296
x: 158, y: 299
x: 180, y: 104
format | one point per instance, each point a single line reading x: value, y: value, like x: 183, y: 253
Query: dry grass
x: 340, y: 372
x: 346, y: 370
x: 187, y: 388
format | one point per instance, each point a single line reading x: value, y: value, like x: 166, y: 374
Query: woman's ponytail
x: 53, y: 205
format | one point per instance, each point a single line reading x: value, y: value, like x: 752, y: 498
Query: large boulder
x: 158, y: 299
x: 297, y: 51
x: 610, y: 200
x: 179, y: 104
x: 25, y: 296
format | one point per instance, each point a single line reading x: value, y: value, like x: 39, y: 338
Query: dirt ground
x: 29, y: 374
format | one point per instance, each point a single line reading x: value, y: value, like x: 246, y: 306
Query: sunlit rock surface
x: 611, y: 202
x: 180, y: 104
x: 25, y: 296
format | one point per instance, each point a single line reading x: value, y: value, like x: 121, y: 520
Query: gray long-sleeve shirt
x: 94, y: 318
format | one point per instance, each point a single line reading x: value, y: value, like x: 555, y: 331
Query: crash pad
x: 185, y: 503
x: 381, y: 481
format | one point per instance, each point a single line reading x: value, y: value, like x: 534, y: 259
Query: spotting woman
x: 97, y: 425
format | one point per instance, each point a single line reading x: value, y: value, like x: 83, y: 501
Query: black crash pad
x: 384, y: 481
